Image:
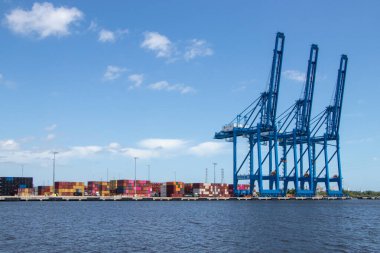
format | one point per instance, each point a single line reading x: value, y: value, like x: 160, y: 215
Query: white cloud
x: 140, y: 153
x: 114, y: 146
x: 80, y: 151
x: 208, y: 148
x: 295, y: 75
x: 136, y: 79
x: 11, y: 153
x: 51, y: 127
x: 43, y: 20
x: 50, y: 137
x: 162, y: 143
x: 10, y: 150
x: 9, y: 145
x: 106, y: 36
x: 157, y: 43
x: 113, y: 72
x: 197, y: 48
x: 164, y: 85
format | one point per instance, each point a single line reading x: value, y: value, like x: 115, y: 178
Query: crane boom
x: 268, y: 117
x: 335, y: 110
x: 305, y: 104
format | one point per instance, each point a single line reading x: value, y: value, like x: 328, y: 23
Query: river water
x: 202, y: 226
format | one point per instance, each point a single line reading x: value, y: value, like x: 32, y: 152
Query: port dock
x: 124, y: 198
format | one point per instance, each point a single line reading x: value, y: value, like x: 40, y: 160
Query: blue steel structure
x: 298, y: 139
x: 293, y: 130
x: 257, y: 123
x: 328, y: 140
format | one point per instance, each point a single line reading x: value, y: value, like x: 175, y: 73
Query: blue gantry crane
x: 293, y: 130
x: 297, y: 139
x: 257, y: 123
x: 326, y: 140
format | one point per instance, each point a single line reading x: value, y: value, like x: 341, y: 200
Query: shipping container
x: 172, y: 189
x: 45, y: 190
x: 25, y: 191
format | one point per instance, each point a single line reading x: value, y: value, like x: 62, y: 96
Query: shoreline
x: 125, y: 198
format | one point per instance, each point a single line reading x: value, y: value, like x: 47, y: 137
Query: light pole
x: 135, y: 173
x: 214, y: 177
x: 54, y: 153
x: 22, y: 170
x: 148, y: 172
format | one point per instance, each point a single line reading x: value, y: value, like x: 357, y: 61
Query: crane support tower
x: 257, y: 124
x: 325, y: 143
x: 298, y: 139
x: 288, y: 148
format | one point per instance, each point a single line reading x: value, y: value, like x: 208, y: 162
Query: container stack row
x: 23, y: 186
x: 156, y: 189
x: 98, y: 188
x: 69, y: 188
x: 140, y: 188
x: 9, y: 186
x: 207, y: 190
x: 173, y: 189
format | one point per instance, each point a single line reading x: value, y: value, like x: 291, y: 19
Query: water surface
x: 204, y: 226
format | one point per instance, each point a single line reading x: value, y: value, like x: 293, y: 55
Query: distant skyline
x: 102, y: 83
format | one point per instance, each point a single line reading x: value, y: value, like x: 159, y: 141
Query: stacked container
x: 25, y: 191
x: 172, y: 189
x: 189, y: 189
x: 156, y: 189
x: 45, y: 190
x: 241, y: 187
x: 207, y: 190
x: 142, y: 188
x: 9, y: 185
x: 69, y: 188
x: 98, y: 188
x: 113, y: 187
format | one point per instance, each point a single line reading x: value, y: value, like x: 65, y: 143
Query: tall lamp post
x: 54, y: 153
x: 214, y: 177
x: 135, y: 173
x: 148, y: 172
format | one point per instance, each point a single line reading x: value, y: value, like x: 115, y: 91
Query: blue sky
x: 102, y: 83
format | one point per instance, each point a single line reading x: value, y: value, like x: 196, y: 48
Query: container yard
x: 18, y: 188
